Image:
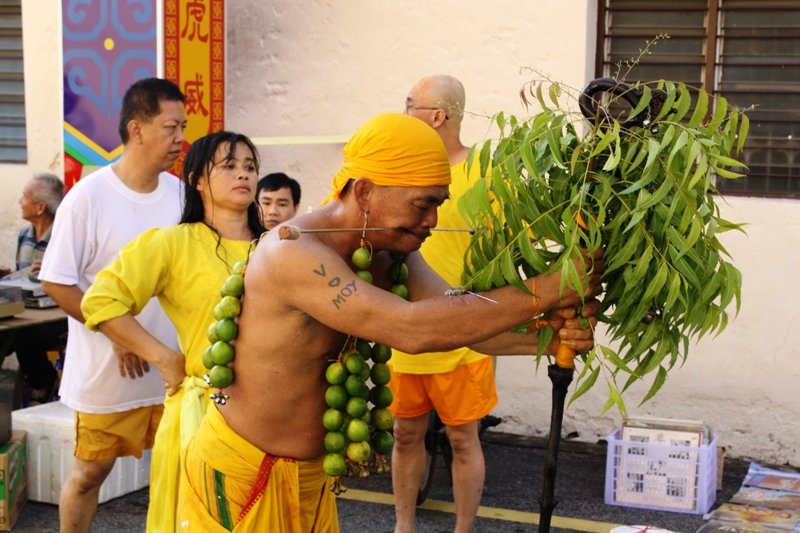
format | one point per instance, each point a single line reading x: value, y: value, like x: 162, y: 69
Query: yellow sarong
x: 227, y: 484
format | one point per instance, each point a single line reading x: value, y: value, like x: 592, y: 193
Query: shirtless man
x: 302, y: 299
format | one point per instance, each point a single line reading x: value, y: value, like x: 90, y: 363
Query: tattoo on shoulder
x: 345, y: 292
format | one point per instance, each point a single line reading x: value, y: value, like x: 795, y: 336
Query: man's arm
x: 125, y: 330
x: 315, y: 280
x: 68, y: 298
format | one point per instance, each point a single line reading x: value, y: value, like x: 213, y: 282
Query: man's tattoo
x: 346, y: 291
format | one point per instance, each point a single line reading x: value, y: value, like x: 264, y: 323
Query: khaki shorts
x: 116, y: 434
x: 459, y: 397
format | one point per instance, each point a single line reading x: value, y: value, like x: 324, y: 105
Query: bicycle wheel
x: 431, y: 446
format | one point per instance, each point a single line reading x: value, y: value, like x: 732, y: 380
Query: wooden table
x: 31, y: 317
x: 8, y: 329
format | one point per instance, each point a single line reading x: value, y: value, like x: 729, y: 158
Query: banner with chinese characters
x: 194, y: 58
x: 108, y: 45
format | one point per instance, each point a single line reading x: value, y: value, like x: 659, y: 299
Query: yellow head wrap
x: 394, y: 150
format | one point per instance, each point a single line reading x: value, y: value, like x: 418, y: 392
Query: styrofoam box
x: 51, y: 443
x: 662, y: 477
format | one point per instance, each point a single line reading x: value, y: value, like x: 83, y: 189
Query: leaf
x: 653, y: 147
x: 743, y: 129
x: 720, y: 110
x: 727, y: 173
x: 614, y: 398
x: 554, y: 92
x: 654, y: 287
x: 585, y: 386
x: 683, y: 104
x: 540, y: 97
x: 612, y: 356
x: 700, y: 109
x: 643, y: 101
x: 661, y: 378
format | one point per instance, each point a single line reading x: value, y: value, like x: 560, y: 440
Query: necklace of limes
x: 357, y: 437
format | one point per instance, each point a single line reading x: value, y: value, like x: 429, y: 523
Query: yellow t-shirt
x: 185, y: 267
x: 444, y: 252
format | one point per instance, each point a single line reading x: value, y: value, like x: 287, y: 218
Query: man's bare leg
x: 408, y: 467
x: 469, y: 472
x: 78, y: 503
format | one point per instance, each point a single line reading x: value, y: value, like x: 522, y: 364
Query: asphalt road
x: 513, y: 481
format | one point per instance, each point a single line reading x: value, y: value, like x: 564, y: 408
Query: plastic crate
x: 51, y: 443
x: 662, y: 477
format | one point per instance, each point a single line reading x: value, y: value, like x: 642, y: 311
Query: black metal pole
x: 561, y: 378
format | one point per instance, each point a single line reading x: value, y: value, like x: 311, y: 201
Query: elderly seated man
x: 40, y: 198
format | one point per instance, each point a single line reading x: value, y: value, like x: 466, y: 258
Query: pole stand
x: 561, y: 378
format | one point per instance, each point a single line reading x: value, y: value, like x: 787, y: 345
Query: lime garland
x: 357, y: 437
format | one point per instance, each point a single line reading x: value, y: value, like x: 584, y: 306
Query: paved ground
x: 513, y: 482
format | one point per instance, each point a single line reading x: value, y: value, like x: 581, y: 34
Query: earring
x: 364, y: 231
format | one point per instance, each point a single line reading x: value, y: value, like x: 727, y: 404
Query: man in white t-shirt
x: 117, y: 401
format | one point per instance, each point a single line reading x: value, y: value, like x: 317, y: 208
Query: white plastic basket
x: 662, y: 477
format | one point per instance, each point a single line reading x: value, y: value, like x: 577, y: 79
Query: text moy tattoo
x: 343, y: 293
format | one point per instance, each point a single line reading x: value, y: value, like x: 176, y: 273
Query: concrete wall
x: 41, y: 43
x: 323, y: 68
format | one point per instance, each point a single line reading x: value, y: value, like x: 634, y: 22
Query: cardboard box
x: 13, y: 479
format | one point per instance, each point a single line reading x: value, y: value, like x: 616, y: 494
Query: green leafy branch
x: 644, y: 194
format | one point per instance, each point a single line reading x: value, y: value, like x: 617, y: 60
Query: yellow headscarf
x: 393, y: 150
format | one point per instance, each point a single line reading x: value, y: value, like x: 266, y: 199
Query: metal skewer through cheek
x: 292, y: 233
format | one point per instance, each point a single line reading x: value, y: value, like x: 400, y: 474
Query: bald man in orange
x: 255, y: 464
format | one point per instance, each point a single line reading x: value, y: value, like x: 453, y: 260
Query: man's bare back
x: 301, y: 294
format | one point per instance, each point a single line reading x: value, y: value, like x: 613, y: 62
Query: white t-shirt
x: 98, y: 217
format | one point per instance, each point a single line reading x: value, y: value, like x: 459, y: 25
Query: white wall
x: 319, y: 68
x: 41, y: 43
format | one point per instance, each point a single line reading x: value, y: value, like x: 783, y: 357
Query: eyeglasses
x: 410, y: 109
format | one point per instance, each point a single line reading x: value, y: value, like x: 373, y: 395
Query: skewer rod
x: 293, y: 232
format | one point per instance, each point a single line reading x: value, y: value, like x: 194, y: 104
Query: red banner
x: 194, y: 59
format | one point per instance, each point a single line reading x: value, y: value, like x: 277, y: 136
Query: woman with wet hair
x: 184, y: 266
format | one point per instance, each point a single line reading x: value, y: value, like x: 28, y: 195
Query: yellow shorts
x: 116, y: 434
x: 459, y: 397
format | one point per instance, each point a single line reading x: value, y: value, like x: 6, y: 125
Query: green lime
x: 218, y: 314
x: 355, y: 363
x: 365, y: 275
x: 336, y: 374
x: 238, y: 268
x: 336, y: 397
x: 367, y: 417
x: 398, y: 257
x: 226, y: 330
x: 400, y: 290
x: 381, y: 353
x: 380, y: 374
x: 334, y: 442
x: 333, y: 420
x: 357, y: 430
x: 234, y: 285
x: 229, y: 307
x: 382, y: 396
x: 221, y: 376
x: 364, y: 349
x: 398, y: 272
x: 208, y: 362
x: 211, y: 333
x: 365, y: 394
x: 334, y: 465
x: 221, y: 353
x: 361, y: 259
x: 365, y: 373
x: 358, y: 451
x: 251, y: 255
x: 383, y: 442
x: 356, y: 407
x: 354, y: 385
x: 382, y: 418
x: 346, y: 355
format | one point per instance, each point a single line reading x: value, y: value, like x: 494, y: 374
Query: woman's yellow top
x: 184, y: 266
